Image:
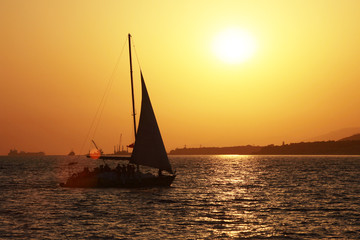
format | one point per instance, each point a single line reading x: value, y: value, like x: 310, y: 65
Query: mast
x: 132, y: 85
x: 132, y: 92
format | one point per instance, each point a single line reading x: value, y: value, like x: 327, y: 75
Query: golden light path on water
x: 223, y: 179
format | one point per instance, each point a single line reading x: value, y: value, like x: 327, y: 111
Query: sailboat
x: 149, y: 150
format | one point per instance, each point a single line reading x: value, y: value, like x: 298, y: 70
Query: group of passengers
x: 121, y: 170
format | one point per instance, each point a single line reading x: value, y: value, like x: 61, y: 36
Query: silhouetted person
x: 160, y: 172
x: 123, y: 170
x: 107, y: 168
x: 118, y: 168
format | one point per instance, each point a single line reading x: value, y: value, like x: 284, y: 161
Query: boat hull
x: 118, y: 182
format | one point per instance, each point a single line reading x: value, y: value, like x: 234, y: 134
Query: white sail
x: 149, y: 149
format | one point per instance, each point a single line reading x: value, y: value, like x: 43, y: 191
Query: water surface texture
x: 212, y: 197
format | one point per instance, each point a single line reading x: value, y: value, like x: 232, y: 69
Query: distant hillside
x: 355, y: 137
x: 335, y: 135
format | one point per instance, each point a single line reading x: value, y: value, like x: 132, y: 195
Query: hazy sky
x: 57, y: 58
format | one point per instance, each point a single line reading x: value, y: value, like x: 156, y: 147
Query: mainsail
x: 149, y: 149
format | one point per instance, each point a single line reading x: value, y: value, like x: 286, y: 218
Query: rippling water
x: 224, y: 197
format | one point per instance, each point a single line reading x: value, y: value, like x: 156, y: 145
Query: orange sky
x: 56, y: 58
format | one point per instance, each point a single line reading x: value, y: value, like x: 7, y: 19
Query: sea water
x: 212, y: 197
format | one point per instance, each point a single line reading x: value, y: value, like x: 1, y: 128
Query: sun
x: 234, y: 46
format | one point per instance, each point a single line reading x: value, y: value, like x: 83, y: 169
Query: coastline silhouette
x: 345, y: 146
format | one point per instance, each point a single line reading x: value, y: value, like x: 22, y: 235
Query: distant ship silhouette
x: 71, y: 153
x: 14, y: 152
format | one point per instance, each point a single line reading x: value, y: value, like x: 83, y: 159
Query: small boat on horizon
x: 71, y: 153
x: 148, y: 150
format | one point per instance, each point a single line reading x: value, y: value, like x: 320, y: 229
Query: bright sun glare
x: 234, y: 46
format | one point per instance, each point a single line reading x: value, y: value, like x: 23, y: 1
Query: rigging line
x: 102, y: 99
x: 112, y: 78
x: 137, y: 57
x: 106, y: 94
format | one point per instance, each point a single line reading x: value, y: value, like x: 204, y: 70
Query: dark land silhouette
x: 345, y: 146
x: 216, y: 150
x: 355, y: 137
